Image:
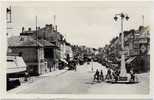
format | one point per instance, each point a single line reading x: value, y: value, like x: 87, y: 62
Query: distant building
x: 63, y: 52
x: 68, y: 50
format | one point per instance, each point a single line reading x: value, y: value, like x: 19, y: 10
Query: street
x: 81, y: 82
x: 44, y: 44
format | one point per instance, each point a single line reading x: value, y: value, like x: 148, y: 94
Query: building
x: 68, y: 51
x: 63, y: 60
x: 137, y: 44
x: 49, y: 55
x: 136, y: 47
x: 50, y: 34
x: 32, y: 52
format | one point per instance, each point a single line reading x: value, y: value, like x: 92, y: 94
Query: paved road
x: 80, y: 82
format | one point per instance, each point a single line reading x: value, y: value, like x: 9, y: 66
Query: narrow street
x: 81, y: 82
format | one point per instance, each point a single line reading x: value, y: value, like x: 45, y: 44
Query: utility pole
x: 142, y: 20
x: 9, y: 15
x: 36, y: 28
x: 54, y: 21
x: 8, y: 18
x: 37, y: 47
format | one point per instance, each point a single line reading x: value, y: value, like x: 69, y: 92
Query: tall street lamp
x: 122, y: 16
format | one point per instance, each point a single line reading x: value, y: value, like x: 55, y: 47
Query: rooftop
x: 27, y: 41
x: 23, y: 41
x: 46, y: 43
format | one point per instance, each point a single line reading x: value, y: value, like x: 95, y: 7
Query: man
x: 115, y: 75
x: 101, y: 76
x: 96, y: 75
x: 132, y: 76
x: 26, y: 76
x: 108, y: 75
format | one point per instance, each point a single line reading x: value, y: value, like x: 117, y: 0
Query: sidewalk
x: 53, y: 73
x: 35, y: 79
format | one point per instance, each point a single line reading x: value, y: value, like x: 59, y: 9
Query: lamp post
x: 122, y: 17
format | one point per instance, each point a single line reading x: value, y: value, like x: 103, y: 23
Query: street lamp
x: 122, y: 17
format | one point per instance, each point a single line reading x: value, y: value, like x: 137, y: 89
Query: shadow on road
x: 92, y: 83
x: 95, y: 82
x: 91, y: 71
x: 122, y: 82
x: 61, y: 73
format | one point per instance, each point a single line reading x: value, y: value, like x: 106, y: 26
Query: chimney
x: 22, y: 29
x: 46, y: 25
x: 50, y: 26
x: 141, y: 28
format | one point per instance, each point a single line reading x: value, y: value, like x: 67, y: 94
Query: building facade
x: 136, y: 47
x: 31, y: 51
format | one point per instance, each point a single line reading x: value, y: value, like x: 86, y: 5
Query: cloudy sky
x: 83, y: 23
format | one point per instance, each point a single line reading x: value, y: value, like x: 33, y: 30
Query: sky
x: 82, y: 23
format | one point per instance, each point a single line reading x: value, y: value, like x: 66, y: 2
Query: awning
x: 15, y: 64
x: 130, y: 60
x: 63, y: 60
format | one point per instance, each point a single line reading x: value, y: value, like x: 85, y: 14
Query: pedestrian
x: 101, y: 76
x: 74, y: 65
x: 115, y: 75
x: 96, y: 75
x: 132, y: 76
x: 108, y: 75
x: 26, y: 76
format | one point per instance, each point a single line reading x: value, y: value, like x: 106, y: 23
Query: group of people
x: 113, y: 75
x: 99, y: 75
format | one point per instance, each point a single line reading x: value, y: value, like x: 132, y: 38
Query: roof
x: 23, y: 41
x: 46, y: 43
x: 27, y: 33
